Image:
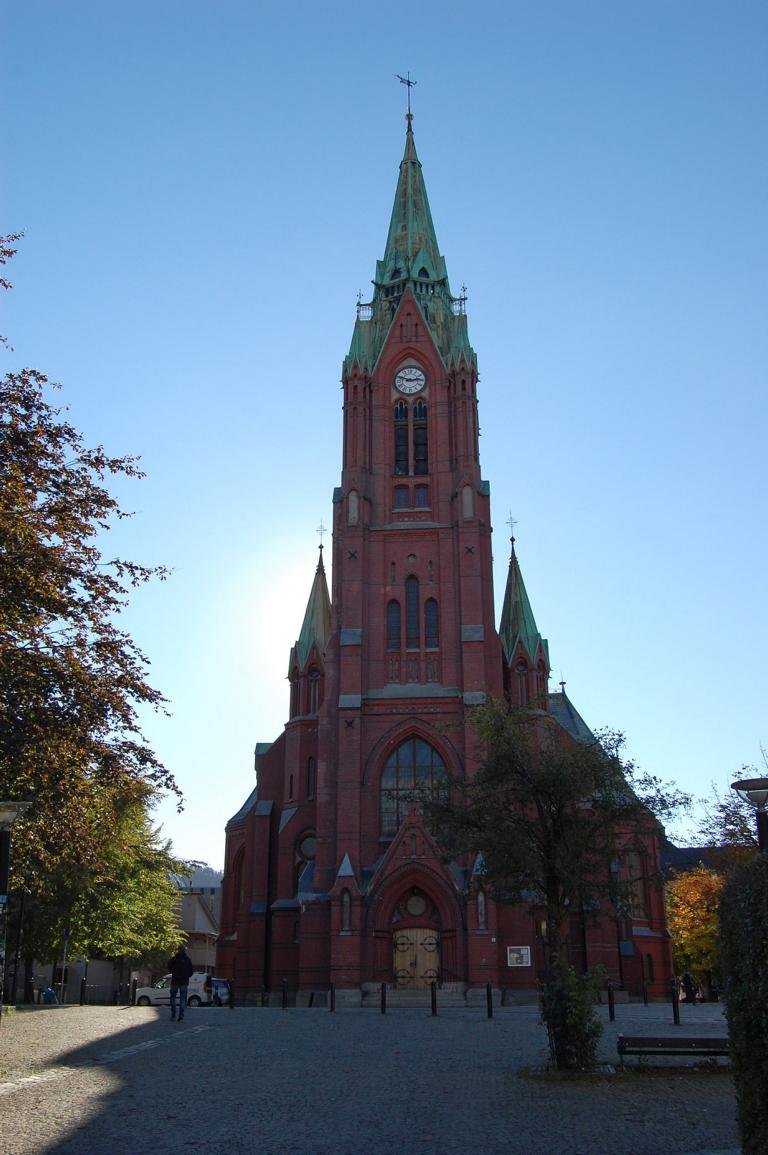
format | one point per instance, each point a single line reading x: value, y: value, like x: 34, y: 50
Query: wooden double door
x: 416, y: 957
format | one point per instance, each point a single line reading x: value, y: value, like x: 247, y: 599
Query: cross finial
x: 321, y: 529
x: 511, y: 522
x: 406, y: 80
x: 562, y: 682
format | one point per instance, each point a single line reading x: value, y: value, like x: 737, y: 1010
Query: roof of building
x: 563, y: 711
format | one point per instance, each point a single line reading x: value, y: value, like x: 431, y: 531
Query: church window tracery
x: 521, y: 670
x: 346, y: 911
x: 313, y: 696
x: 431, y: 625
x: 401, y: 439
x: 412, y: 634
x: 420, y: 444
x: 413, y: 770
x: 393, y: 626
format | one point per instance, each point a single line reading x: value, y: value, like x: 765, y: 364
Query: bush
x: 568, y: 1011
x: 744, y: 954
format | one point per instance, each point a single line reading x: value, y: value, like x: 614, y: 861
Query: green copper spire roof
x: 411, y: 258
x: 517, y: 621
x: 316, y: 628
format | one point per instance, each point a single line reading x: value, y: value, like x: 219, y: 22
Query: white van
x: 200, y: 992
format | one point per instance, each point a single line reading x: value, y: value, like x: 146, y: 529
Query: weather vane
x: 406, y: 80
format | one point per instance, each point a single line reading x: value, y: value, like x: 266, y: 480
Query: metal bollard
x: 82, y: 991
x: 675, y: 1001
x: 433, y: 993
x: 332, y: 1001
x: 134, y: 988
x: 231, y: 986
x: 285, y: 994
x: 611, y: 1004
x: 383, y: 998
x: 489, y: 999
x: 645, y: 992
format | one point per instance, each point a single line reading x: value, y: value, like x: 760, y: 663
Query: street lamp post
x: 9, y: 812
x: 755, y: 792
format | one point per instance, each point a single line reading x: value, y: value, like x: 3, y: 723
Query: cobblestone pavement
x: 114, y: 1080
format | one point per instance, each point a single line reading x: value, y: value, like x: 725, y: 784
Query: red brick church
x: 330, y: 873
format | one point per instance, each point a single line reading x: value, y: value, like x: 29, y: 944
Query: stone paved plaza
x: 261, y: 1081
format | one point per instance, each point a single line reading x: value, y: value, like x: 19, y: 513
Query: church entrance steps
x: 450, y: 995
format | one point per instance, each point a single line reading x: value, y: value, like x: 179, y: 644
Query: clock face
x: 410, y: 380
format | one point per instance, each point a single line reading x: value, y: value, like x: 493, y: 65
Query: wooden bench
x: 677, y: 1045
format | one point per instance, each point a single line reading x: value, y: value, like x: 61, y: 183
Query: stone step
x: 404, y: 998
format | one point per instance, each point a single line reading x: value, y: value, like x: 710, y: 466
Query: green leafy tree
x: 548, y: 813
x: 72, y: 682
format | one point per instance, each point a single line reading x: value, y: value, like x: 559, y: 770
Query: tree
x: 693, y: 898
x: 744, y: 950
x: 71, y: 681
x: 548, y: 814
x: 729, y: 824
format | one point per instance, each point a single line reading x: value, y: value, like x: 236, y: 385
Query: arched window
x: 352, y: 508
x: 313, y: 697
x: 420, y: 447
x: 541, y: 683
x: 423, y: 273
x: 481, y: 913
x: 467, y: 502
x: 412, y: 613
x: 304, y: 862
x: 414, y: 770
x: 346, y: 911
x: 295, y: 692
x: 431, y: 628
x: 393, y: 626
x: 311, y: 777
x: 521, y: 670
x: 401, y: 496
x: 401, y: 439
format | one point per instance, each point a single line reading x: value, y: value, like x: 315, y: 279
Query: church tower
x: 331, y: 874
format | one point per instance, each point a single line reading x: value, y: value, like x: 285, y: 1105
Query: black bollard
x: 383, y: 998
x: 489, y: 999
x: 134, y: 988
x: 611, y: 1004
x: 332, y: 1001
x: 433, y: 993
x: 675, y: 1001
x: 645, y: 992
x: 285, y: 994
x: 82, y: 991
x: 231, y: 986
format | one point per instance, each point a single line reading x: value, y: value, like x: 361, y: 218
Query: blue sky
x: 206, y: 186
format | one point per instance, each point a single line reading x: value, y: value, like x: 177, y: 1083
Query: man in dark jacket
x: 181, y: 970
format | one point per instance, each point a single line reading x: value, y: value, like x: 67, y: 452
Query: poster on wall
x: 518, y: 956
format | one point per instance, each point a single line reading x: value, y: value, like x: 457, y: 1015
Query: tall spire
x: 316, y: 627
x: 518, y: 624
x: 412, y: 259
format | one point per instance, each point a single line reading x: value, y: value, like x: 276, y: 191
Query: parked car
x: 203, y: 990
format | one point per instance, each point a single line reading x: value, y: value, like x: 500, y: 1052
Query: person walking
x: 181, y: 969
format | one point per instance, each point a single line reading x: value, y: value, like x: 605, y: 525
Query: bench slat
x: 666, y: 1045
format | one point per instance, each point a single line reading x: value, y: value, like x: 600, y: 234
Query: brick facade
x: 330, y: 874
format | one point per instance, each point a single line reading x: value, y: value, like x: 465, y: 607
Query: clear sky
x: 206, y: 186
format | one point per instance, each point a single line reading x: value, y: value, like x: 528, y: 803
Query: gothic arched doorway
x: 415, y: 941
